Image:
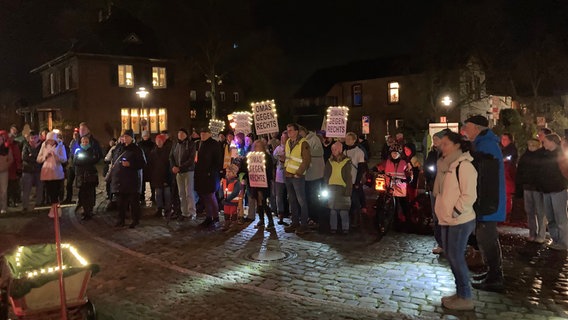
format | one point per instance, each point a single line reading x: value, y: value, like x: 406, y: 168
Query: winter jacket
x: 183, y: 156
x: 29, y: 159
x: 488, y: 142
x: 315, y: 170
x: 528, y: 170
x: 454, y: 203
x: 85, y: 170
x: 49, y: 153
x: 339, y: 197
x: 550, y: 178
x: 127, y: 179
x: 208, y: 166
x: 74, y: 145
x: 159, y: 167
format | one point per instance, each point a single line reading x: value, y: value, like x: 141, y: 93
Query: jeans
x: 344, y: 220
x: 535, y: 214
x: 437, y: 228
x: 490, y: 247
x: 454, y: 242
x: 280, y: 190
x: 30, y: 180
x: 313, y: 189
x: 4, y: 190
x: 185, y: 185
x: 554, y: 205
x: 209, y: 200
x: 296, y: 188
x: 163, y: 197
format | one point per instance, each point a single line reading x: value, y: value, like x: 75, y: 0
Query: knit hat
x: 395, y: 148
x: 161, y: 137
x: 51, y: 136
x: 184, y: 130
x: 129, y: 132
x: 478, y: 120
x: 205, y: 129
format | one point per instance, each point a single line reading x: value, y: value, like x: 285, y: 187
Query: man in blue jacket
x: 484, y: 140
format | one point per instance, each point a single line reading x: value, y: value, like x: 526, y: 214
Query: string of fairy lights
x: 47, y: 270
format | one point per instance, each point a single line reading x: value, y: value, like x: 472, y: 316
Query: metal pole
x: 59, y: 262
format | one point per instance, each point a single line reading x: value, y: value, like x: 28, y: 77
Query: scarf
x: 443, y: 167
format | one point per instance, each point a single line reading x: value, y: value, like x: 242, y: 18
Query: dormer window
x: 125, y: 76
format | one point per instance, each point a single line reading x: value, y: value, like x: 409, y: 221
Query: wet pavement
x: 183, y: 271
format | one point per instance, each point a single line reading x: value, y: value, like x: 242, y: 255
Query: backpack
x: 487, y: 168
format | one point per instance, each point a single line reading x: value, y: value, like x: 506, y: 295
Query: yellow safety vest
x: 336, y: 177
x: 294, y: 157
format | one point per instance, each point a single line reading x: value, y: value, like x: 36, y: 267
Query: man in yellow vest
x: 298, y: 159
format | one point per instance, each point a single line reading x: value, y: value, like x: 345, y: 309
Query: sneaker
x: 459, y: 304
x: 479, y: 277
x: 437, y: 250
x: 556, y: 247
x: 539, y: 241
x: 291, y: 228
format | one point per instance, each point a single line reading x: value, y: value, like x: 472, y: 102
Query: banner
x: 265, y: 117
x: 336, y: 122
x: 257, y: 170
x: 241, y: 122
x: 216, y: 126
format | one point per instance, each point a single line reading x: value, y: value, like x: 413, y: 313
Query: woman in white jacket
x: 454, y: 209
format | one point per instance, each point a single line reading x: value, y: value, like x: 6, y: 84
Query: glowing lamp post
x: 142, y: 94
x: 447, y: 102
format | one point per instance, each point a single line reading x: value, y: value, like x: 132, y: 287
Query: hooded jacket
x: 488, y: 142
x: 454, y: 200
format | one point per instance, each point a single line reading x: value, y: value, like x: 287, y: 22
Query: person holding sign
x: 298, y: 158
x: 259, y: 180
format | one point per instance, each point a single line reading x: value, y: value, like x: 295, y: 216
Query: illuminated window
x: 222, y: 96
x: 158, y: 77
x: 236, y: 96
x: 394, y: 92
x: 153, y: 119
x: 125, y: 76
x: 357, y: 95
x: 51, y: 83
x: 207, y: 94
x: 193, y: 95
x: 67, y: 78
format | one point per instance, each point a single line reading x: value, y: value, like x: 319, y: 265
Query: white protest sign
x: 265, y: 120
x: 257, y: 170
x: 242, y: 122
x: 216, y: 126
x: 336, y: 122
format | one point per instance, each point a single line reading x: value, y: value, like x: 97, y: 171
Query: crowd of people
x: 309, y: 177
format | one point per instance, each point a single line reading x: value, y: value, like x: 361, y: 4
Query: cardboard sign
x: 242, y: 122
x: 336, y: 124
x: 257, y: 170
x: 265, y: 118
x: 216, y: 126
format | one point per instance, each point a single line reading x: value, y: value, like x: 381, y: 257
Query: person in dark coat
x: 207, y: 175
x: 160, y: 174
x: 86, y: 176
x: 261, y: 195
x: 127, y: 179
x: 147, y: 145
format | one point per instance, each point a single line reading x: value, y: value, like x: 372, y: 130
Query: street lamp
x: 447, y: 102
x: 142, y: 94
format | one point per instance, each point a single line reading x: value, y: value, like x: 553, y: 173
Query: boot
x: 270, y: 219
x: 260, y: 223
x: 281, y: 220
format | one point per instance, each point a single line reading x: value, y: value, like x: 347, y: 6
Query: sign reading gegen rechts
x: 243, y: 122
x: 257, y: 170
x: 265, y: 117
x: 336, y: 123
x: 216, y: 126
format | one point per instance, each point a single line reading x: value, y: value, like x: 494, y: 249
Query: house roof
x: 320, y: 82
x: 119, y: 34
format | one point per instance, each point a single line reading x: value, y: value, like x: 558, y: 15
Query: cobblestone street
x: 182, y: 271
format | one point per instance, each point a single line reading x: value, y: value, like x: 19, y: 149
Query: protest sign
x: 336, y: 122
x: 257, y: 170
x: 216, y: 126
x: 241, y: 122
x: 265, y: 118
